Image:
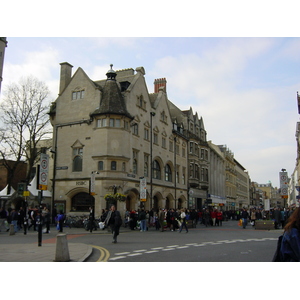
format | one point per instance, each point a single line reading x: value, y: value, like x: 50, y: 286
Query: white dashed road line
x: 178, y: 247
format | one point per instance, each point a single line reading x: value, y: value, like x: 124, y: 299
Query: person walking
x: 244, y: 217
x: 3, y: 218
x: 219, y: 217
x: 60, y: 221
x: 14, y: 219
x: 142, y: 219
x: 277, y: 217
x: 183, y: 221
x: 114, y: 220
x: 161, y: 219
x: 290, y: 245
x: 46, y: 217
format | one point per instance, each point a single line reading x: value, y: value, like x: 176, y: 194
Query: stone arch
x: 170, y: 203
x: 132, y: 199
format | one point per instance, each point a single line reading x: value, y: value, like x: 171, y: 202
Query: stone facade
x: 107, y: 132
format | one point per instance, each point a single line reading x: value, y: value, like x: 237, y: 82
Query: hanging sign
x: 143, y: 189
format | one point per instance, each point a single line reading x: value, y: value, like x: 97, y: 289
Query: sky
x: 237, y: 70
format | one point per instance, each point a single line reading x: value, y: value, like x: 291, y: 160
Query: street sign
x: 43, y: 174
x: 283, y: 178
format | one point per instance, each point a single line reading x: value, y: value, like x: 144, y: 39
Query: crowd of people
x: 20, y: 219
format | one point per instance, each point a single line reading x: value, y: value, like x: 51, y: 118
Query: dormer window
x: 163, y: 117
x: 141, y: 103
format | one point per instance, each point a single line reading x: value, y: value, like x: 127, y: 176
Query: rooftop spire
x: 111, y: 74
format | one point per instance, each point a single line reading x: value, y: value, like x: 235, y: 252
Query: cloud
x: 40, y: 64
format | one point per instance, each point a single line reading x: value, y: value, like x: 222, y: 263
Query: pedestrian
x: 46, y: 217
x: 114, y: 220
x: 14, y: 219
x: 21, y: 216
x: 32, y: 216
x: 183, y: 221
x: 213, y: 215
x: 290, y: 245
x: 3, y: 219
x: 244, y: 216
x: 161, y: 219
x: 219, y: 217
x: 253, y: 217
x: 54, y: 215
x: 142, y: 219
x: 92, y: 219
x: 206, y: 217
x: 277, y: 217
x: 60, y: 221
x: 132, y: 220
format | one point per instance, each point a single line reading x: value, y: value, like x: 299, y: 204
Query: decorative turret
x: 112, y: 101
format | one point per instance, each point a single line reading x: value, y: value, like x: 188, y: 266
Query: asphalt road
x: 228, y: 243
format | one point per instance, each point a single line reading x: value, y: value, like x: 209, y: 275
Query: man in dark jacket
x: 114, y: 220
x: 244, y: 216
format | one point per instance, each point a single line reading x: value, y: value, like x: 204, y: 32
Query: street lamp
x: 152, y: 114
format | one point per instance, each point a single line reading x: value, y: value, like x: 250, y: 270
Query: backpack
x: 276, y: 257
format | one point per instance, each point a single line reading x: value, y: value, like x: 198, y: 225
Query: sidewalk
x: 47, y: 252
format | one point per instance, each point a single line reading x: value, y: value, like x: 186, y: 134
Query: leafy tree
x: 24, y: 109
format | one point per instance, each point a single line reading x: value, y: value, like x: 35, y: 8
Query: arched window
x: 113, y: 165
x: 77, y: 159
x: 168, y: 173
x: 82, y: 201
x: 100, y: 166
x: 156, y: 170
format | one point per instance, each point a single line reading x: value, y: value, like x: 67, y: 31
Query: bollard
x: 11, y: 229
x: 62, y: 250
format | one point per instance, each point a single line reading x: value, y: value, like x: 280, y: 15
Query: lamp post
x: 175, y: 140
x: 152, y: 114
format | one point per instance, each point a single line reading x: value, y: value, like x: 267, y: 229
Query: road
x: 228, y: 243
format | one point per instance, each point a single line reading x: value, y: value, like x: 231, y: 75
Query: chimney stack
x: 160, y: 82
x: 65, y: 76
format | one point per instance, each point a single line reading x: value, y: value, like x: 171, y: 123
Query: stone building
x: 107, y: 133
x: 242, y: 186
x: 217, y: 188
x: 230, y: 177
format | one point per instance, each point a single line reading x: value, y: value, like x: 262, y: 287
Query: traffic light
x: 21, y: 188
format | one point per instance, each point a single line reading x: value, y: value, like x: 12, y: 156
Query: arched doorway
x: 155, y: 203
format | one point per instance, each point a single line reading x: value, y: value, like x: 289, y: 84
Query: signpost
x: 43, y: 174
x: 42, y: 186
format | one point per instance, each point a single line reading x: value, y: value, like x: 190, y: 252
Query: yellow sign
x: 42, y: 187
x: 26, y: 193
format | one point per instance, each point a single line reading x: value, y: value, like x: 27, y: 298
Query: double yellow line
x: 104, y: 253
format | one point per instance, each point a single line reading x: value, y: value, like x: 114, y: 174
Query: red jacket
x: 219, y: 215
x: 213, y: 214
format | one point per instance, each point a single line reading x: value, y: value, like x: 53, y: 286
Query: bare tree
x: 25, y: 122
